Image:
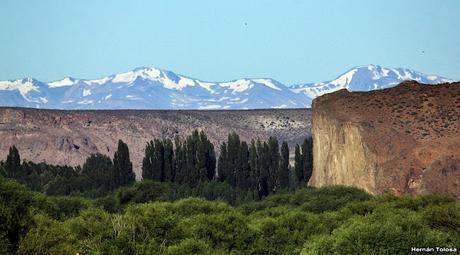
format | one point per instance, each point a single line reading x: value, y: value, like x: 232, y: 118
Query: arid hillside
x: 404, y: 139
x: 68, y: 137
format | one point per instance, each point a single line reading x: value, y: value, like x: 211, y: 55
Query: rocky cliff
x: 403, y: 140
x: 68, y: 137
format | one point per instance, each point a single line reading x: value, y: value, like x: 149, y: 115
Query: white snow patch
x: 86, y: 92
x: 280, y: 106
x: 344, y: 80
x: 98, y: 81
x: 62, y: 83
x: 238, y: 85
x: 184, y: 82
x: 124, y: 77
x: 207, y: 86
x: 210, y: 106
x: 23, y: 87
x: 128, y: 77
x: 86, y: 101
x: 432, y: 77
x: 152, y: 73
x: 132, y: 97
x: 267, y: 83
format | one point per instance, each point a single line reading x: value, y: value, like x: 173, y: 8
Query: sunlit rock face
x: 402, y: 140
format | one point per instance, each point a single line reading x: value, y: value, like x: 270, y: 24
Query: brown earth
x: 403, y: 140
x: 68, y: 137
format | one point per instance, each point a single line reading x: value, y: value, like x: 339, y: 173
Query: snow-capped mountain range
x: 153, y: 88
x: 366, y: 78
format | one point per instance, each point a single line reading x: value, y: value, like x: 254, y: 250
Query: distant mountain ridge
x: 153, y: 88
x: 366, y: 78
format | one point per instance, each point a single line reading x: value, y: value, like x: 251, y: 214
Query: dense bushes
x: 330, y: 220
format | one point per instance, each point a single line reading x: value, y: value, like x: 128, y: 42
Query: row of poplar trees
x: 190, y: 161
x: 99, y: 172
x: 258, y: 166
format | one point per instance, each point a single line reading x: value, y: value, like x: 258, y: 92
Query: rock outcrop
x: 402, y: 140
x: 68, y: 137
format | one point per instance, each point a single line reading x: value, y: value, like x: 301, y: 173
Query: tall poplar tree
x: 298, y: 166
x: 283, y: 170
x: 13, y: 163
x: 123, y: 167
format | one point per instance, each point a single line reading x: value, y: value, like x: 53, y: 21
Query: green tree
x: 98, y: 170
x: 223, y: 171
x: 180, y: 161
x: 263, y: 185
x: 148, y: 160
x: 298, y: 165
x: 307, y: 156
x: 243, y: 170
x: 169, y: 169
x: 13, y: 163
x: 253, y: 165
x: 283, y: 170
x: 123, y: 167
x: 273, y: 159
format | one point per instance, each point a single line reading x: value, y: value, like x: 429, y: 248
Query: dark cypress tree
x: 13, y: 163
x: 98, y: 173
x: 206, y: 158
x: 253, y: 166
x: 233, y: 157
x: 123, y: 168
x: 168, y: 160
x: 283, y: 170
x: 222, y: 164
x: 180, y: 163
x: 263, y: 151
x: 148, y: 160
x: 243, y: 170
x: 307, y: 151
x: 209, y: 156
x: 158, y: 161
x: 192, y: 174
x: 273, y: 159
x: 298, y: 166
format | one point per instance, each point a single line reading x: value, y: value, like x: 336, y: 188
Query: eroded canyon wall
x: 69, y: 137
x: 403, y: 140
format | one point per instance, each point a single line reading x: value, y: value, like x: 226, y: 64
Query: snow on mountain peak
x: 267, y: 82
x: 131, y: 76
x: 62, y: 83
x: 24, y: 86
x: 238, y: 86
x: 153, y: 88
x: 365, y: 78
x: 344, y: 80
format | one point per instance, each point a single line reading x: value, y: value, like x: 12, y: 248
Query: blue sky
x: 292, y: 41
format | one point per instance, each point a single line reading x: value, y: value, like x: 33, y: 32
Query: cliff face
x: 69, y: 137
x: 400, y: 140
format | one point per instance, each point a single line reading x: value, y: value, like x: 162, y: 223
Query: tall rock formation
x: 403, y: 140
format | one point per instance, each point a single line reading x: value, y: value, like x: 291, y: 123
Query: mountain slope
x: 150, y: 88
x: 367, y: 78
